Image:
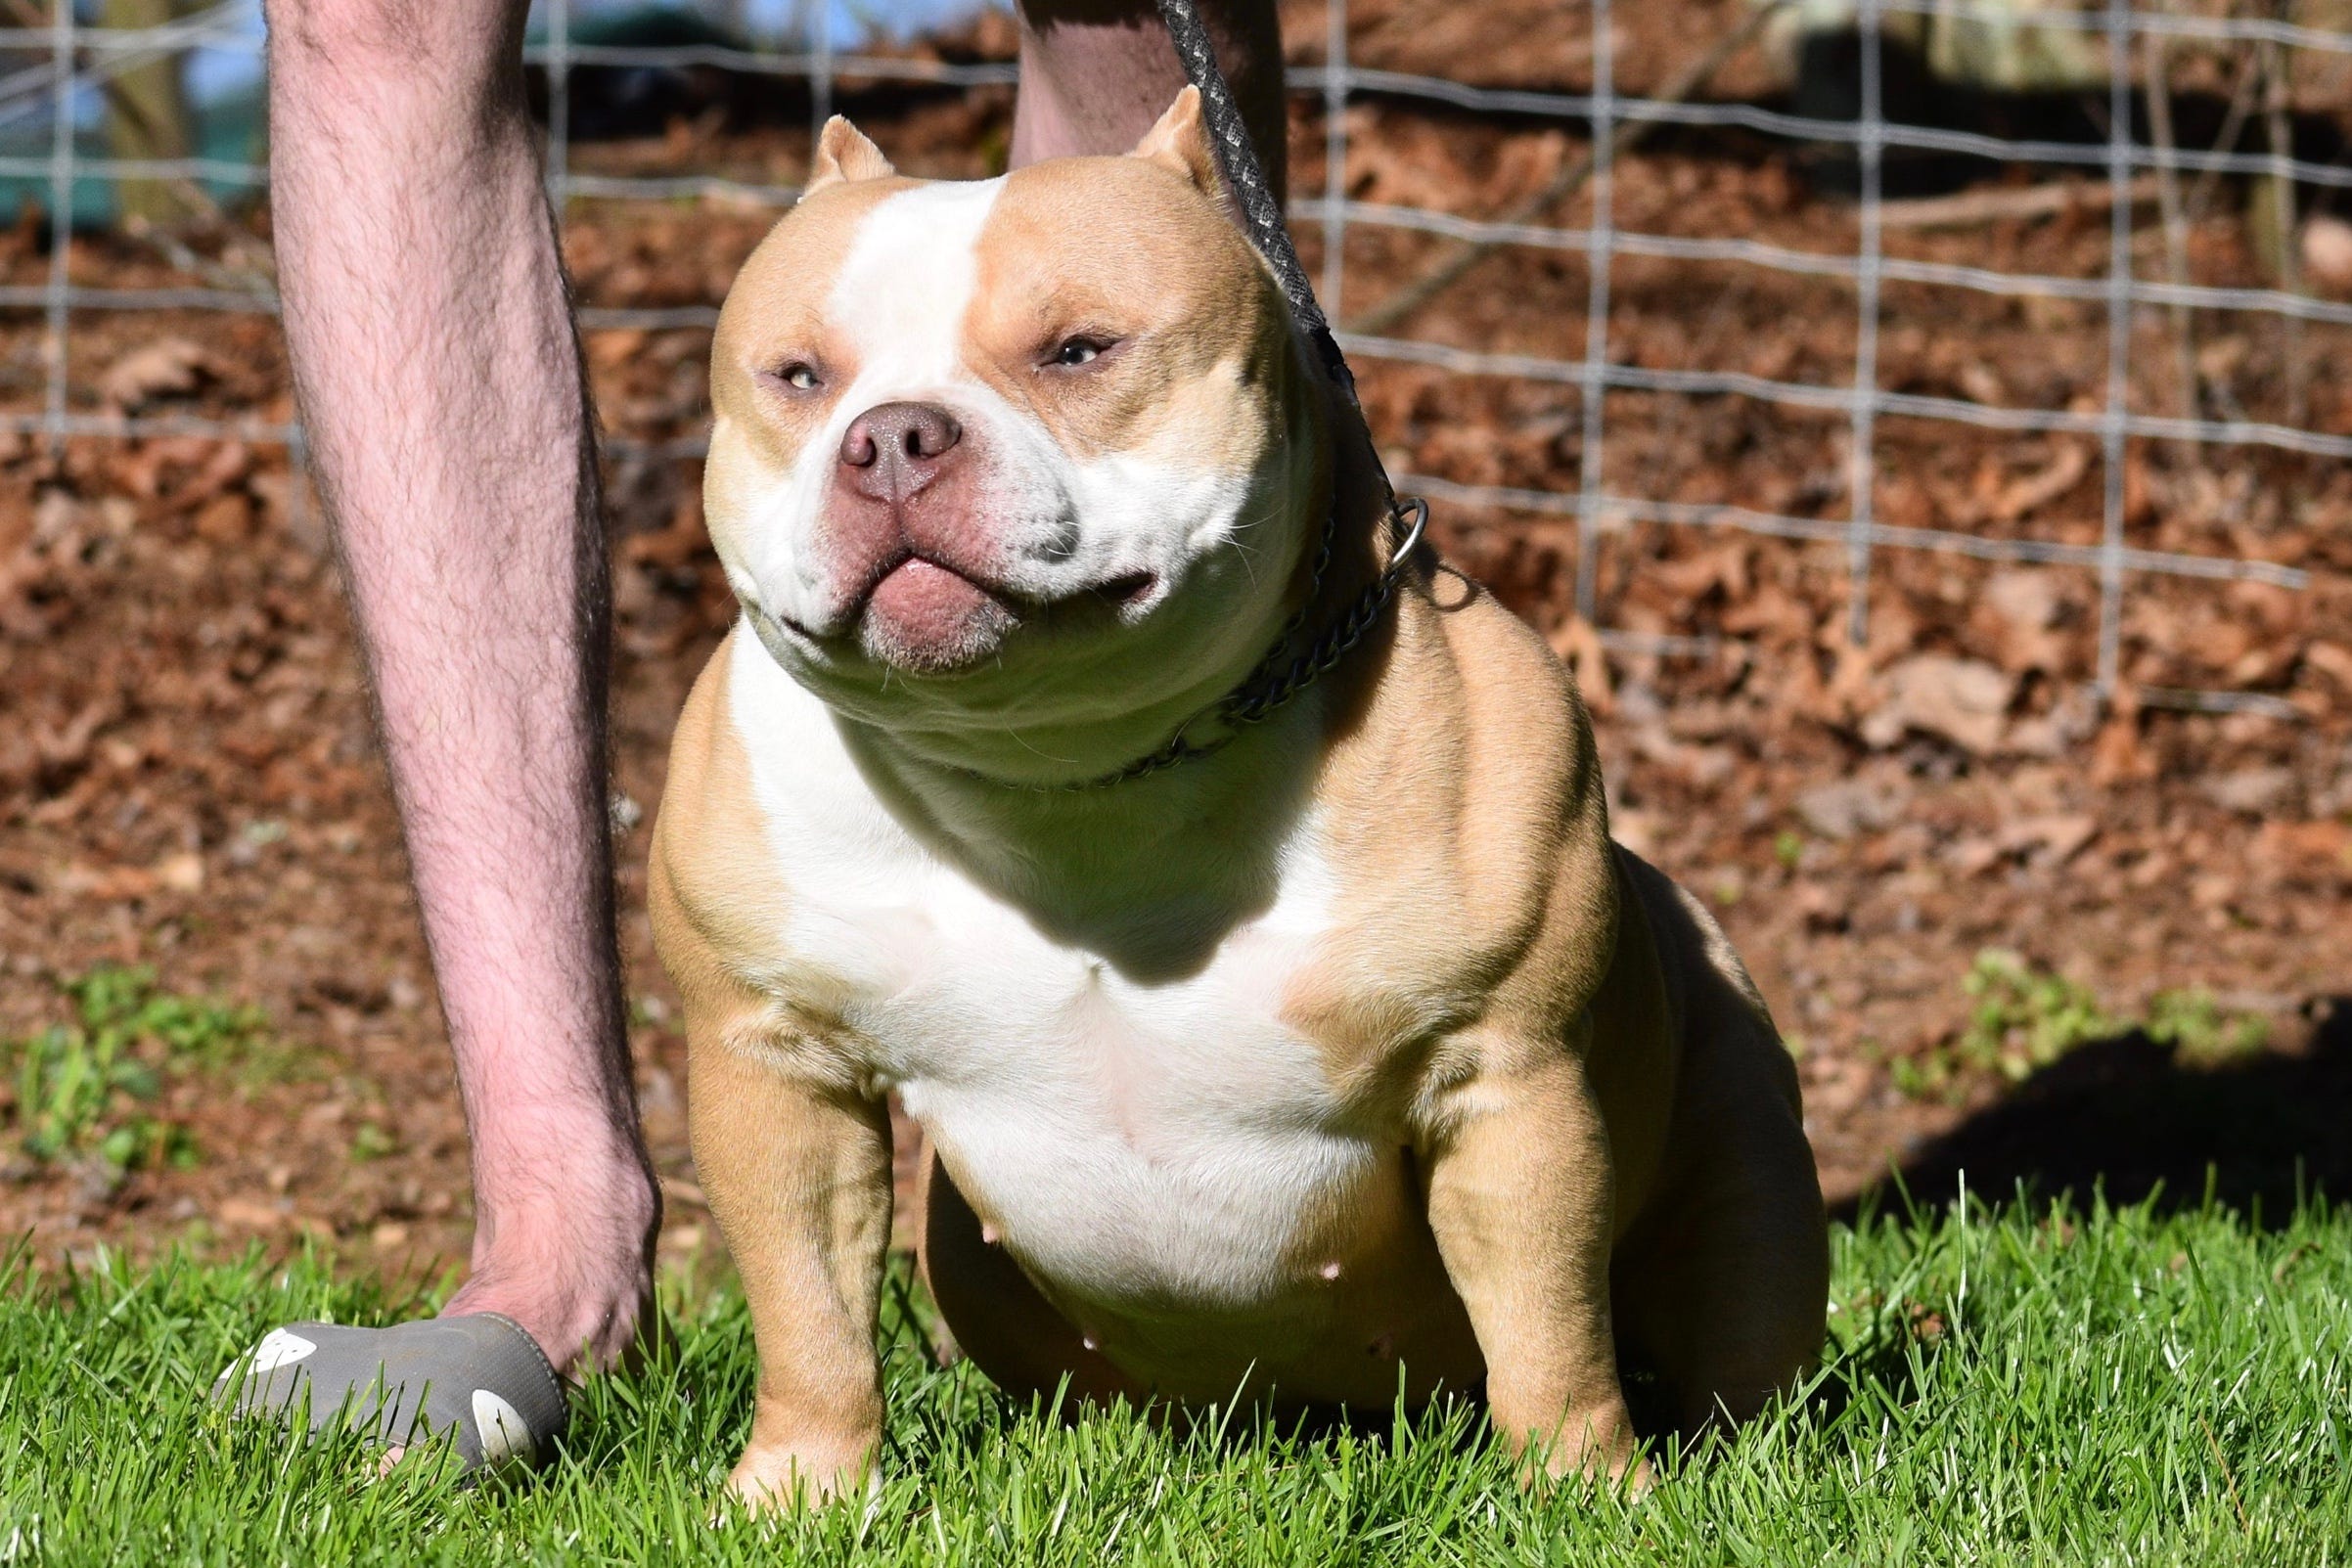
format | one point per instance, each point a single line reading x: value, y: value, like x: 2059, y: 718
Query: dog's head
x: 1011, y: 459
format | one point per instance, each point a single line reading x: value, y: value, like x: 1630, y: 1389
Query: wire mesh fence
x: 61, y: 75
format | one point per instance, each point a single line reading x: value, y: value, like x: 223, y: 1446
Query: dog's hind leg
x: 1721, y: 1289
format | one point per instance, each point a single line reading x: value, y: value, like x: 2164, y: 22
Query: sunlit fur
x: 1351, y: 1062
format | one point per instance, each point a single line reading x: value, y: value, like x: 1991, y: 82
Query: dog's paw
x: 775, y: 1478
x: 1631, y: 1477
x: 1636, y: 1479
x: 1600, y: 1449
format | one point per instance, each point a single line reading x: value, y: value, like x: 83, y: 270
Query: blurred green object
x: 82, y: 1088
x: 146, y: 117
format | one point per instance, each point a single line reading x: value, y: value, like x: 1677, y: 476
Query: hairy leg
x: 434, y: 359
x: 1096, y: 74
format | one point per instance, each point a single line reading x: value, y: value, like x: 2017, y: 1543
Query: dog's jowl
x: 1341, y: 1053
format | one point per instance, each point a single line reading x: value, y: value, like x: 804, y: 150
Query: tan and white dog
x: 1352, y: 1060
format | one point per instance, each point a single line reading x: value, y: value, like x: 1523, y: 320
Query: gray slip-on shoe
x: 478, y: 1378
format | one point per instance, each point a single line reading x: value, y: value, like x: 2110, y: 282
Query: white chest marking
x: 1133, y: 1141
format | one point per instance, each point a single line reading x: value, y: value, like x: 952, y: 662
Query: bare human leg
x: 434, y: 360
x: 1096, y: 74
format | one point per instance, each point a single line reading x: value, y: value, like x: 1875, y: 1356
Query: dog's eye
x: 800, y: 376
x: 1075, y: 351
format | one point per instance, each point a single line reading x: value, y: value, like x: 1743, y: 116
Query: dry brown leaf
x: 1972, y: 854
x: 2310, y: 846
x: 2018, y: 607
x: 225, y: 519
x: 1578, y: 645
x: 2249, y: 791
x: 183, y: 873
x: 1844, y: 807
x: 111, y: 885
x: 248, y: 1214
x: 2332, y: 660
x: 2328, y: 255
x: 2067, y: 465
x: 2117, y: 755
x: 170, y: 367
x: 1963, y: 701
x: 2055, y: 838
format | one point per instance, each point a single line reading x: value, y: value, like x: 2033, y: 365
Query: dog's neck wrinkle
x: 1032, y: 758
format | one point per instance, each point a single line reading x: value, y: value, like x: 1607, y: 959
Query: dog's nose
x: 893, y: 449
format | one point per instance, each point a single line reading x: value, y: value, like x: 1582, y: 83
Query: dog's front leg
x: 797, y: 1172
x: 1522, y: 1199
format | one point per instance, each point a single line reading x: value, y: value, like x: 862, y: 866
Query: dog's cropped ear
x: 1180, y: 141
x: 845, y: 155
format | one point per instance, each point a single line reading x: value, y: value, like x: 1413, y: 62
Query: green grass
x: 2022, y: 1386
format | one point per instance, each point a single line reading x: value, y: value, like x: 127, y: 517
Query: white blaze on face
x: 1048, y: 521
x: 904, y: 292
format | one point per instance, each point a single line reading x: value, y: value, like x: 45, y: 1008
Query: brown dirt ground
x: 188, y: 778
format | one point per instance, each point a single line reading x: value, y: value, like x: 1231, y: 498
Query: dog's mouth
x: 1126, y: 591
x: 929, y: 617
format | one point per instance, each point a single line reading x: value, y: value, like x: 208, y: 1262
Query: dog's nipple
x: 988, y: 1232
x: 1330, y: 1269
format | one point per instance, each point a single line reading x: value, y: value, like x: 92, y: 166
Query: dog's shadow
x: 2128, y: 1118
